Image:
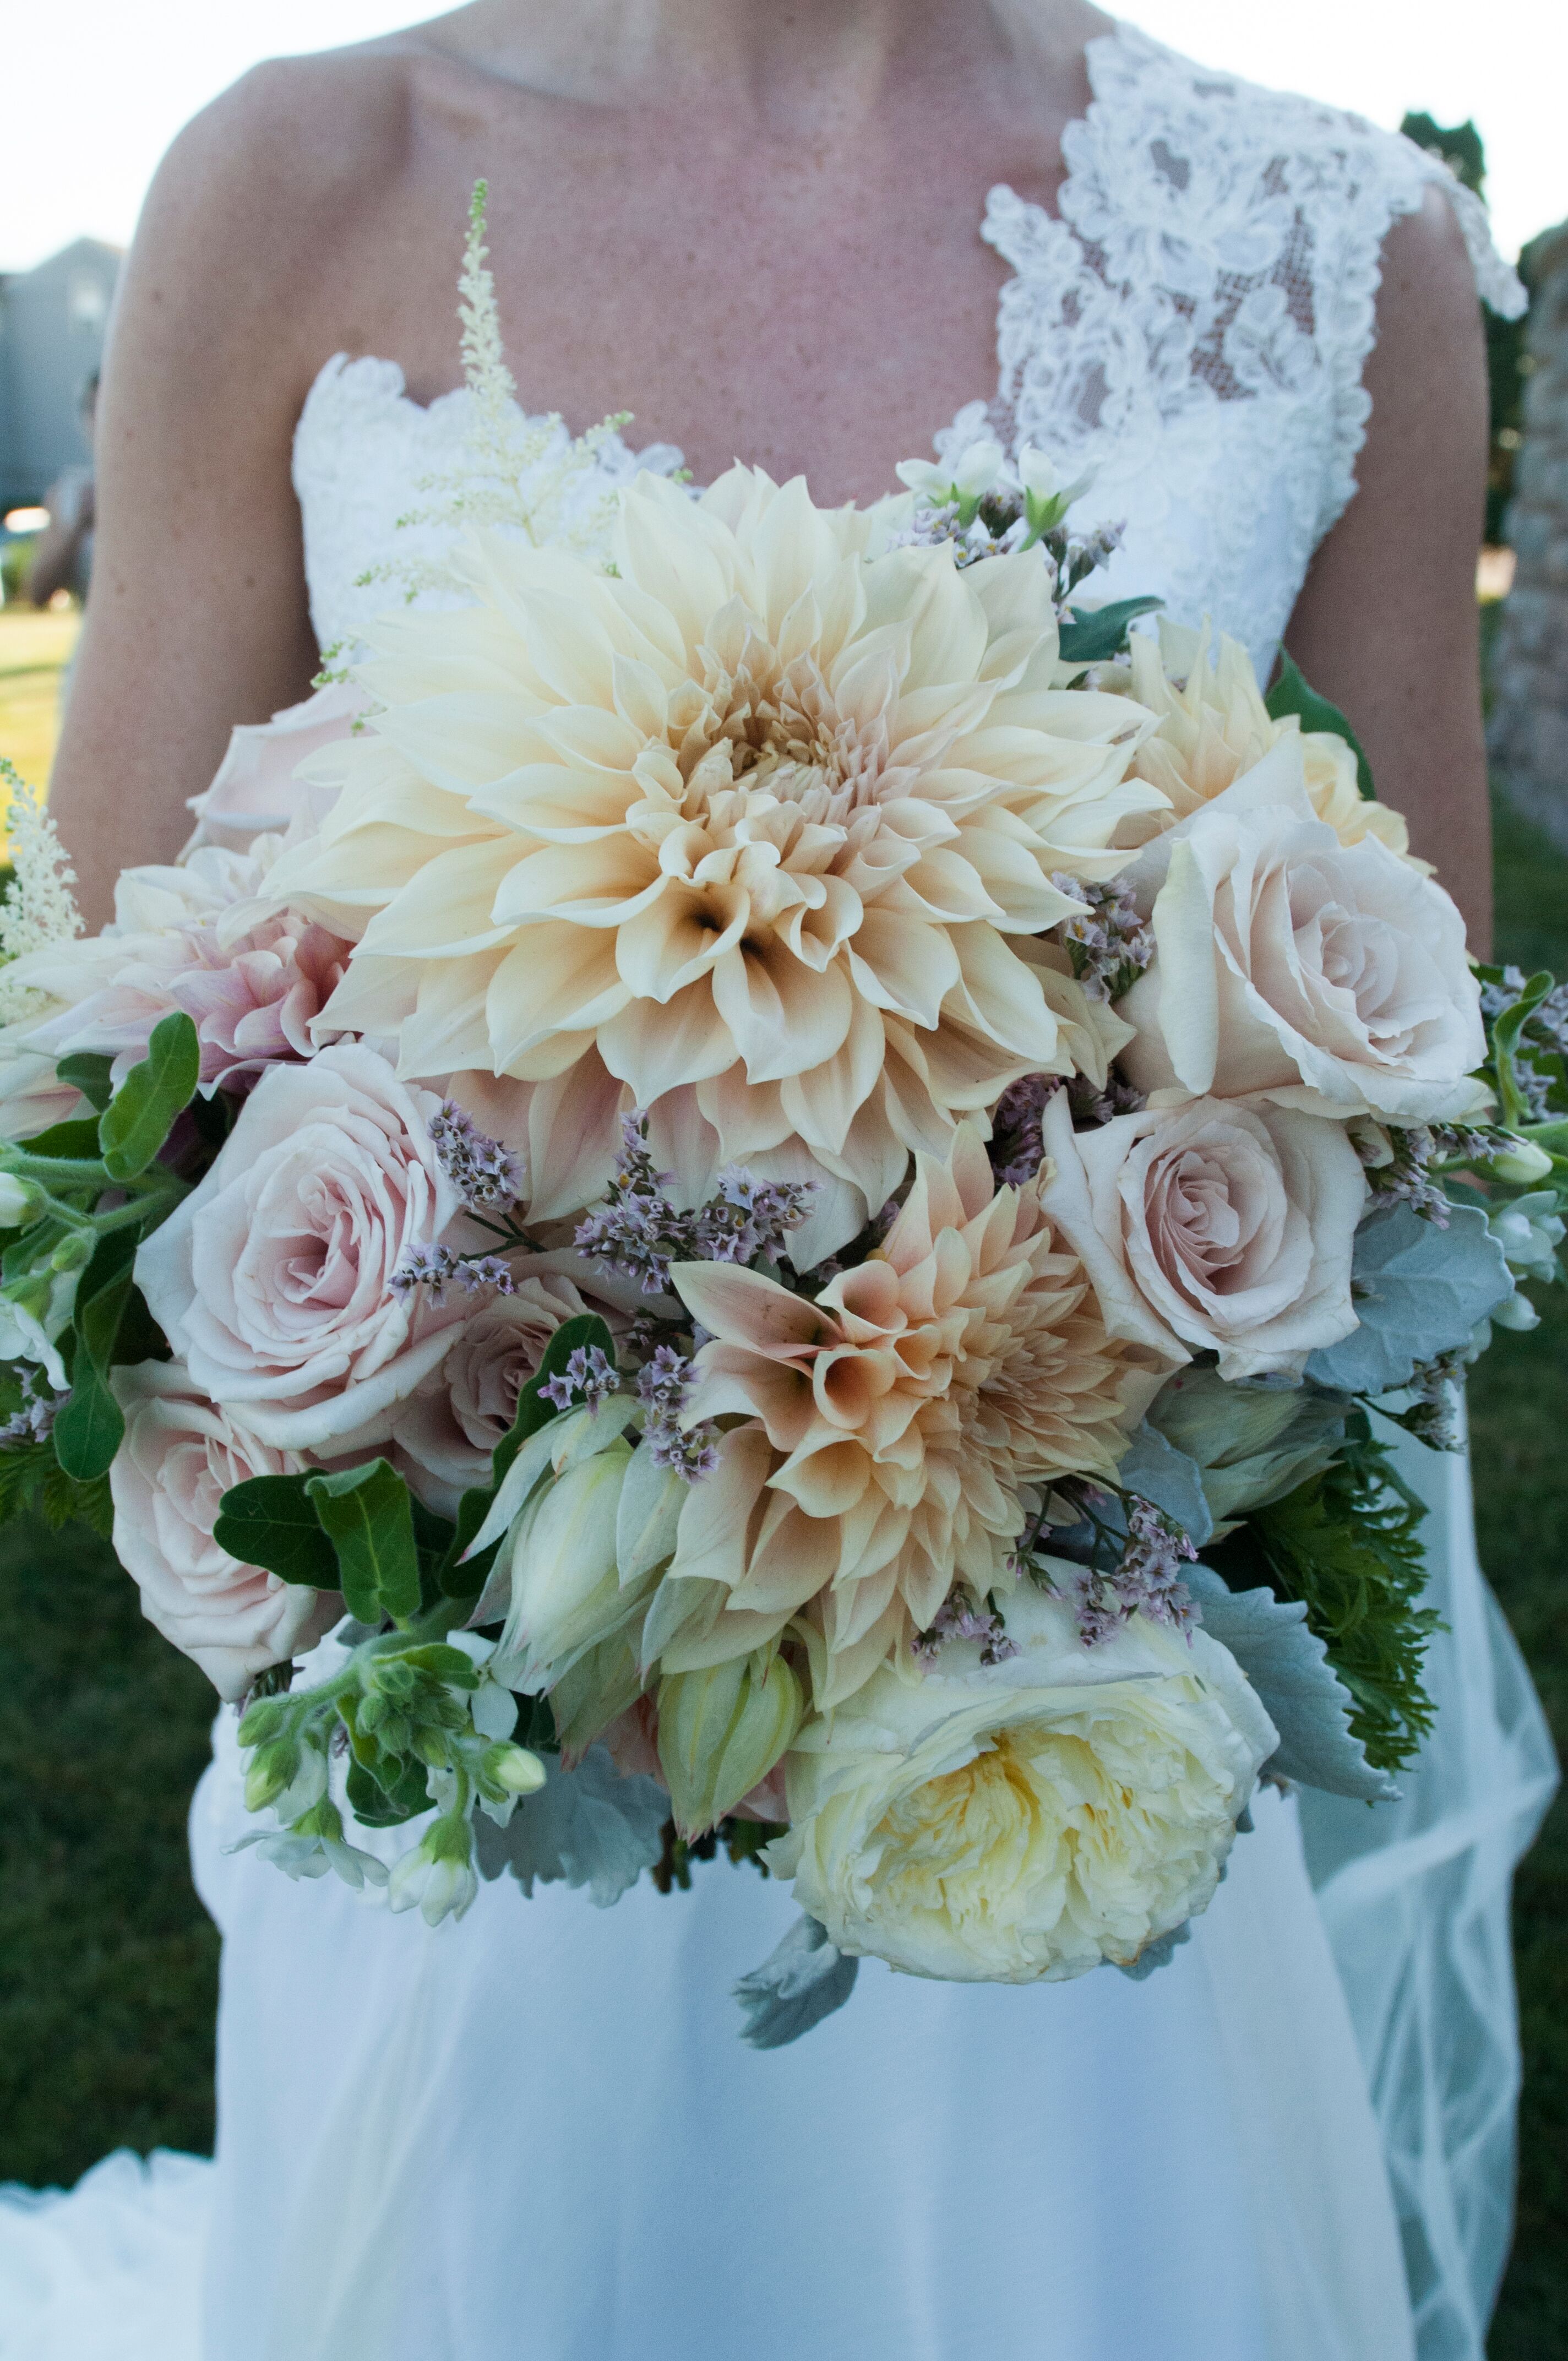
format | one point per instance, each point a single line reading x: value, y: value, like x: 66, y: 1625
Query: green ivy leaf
x: 138, y: 1119
x: 140, y: 1337
x: 76, y: 1140
x: 457, y: 1580
x: 1292, y: 693
x: 377, y: 1807
x: 367, y: 1515
x: 271, y: 1521
x: 102, y: 1297
x: 91, y: 1426
x: 89, y: 1071
x: 1095, y: 635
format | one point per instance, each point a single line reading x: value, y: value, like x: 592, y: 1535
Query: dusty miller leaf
x: 1297, y: 1687
x: 1157, y: 1471
x: 802, y: 1981
x: 1419, y: 1291
x: 587, y: 1827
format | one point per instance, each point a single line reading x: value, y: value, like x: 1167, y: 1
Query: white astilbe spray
x: 40, y: 908
x: 520, y: 475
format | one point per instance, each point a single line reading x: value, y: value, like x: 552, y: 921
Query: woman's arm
x: 1386, y: 625
x: 198, y: 618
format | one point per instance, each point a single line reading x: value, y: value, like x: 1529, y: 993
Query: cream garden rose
x: 273, y: 1279
x: 1224, y: 1226
x: 747, y: 827
x: 1029, y: 1819
x: 1334, y: 977
x: 179, y: 1457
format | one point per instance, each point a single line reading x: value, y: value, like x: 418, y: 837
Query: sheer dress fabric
x: 535, y: 2134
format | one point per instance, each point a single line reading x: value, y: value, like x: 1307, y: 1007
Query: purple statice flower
x: 488, y: 1177
x: 34, y: 1423
x: 998, y: 527
x: 963, y: 1617
x: 1461, y: 1143
x: 1091, y: 1108
x: 588, y: 1378
x: 748, y: 1217
x: 638, y: 1233
x: 1407, y: 1179
x: 1076, y: 558
x: 662, y: 1383
x: 1109, y: 944
x: 1016, y: 1146
x: 438, y: 1269
x: 1434, y: 1414
x: 1146, y: 1577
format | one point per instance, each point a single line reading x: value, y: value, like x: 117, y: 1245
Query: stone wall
x: 1529, y: 731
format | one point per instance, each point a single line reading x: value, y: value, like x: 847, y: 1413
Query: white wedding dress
x: 535, y: 2135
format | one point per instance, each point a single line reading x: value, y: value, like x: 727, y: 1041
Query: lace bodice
x: 1193, y: 322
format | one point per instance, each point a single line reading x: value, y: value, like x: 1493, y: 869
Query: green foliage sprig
x: 1348, y: 1543
x: 84, y: 1193
x: 404, y: 1704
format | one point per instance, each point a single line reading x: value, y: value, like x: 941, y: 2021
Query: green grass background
x: 108, y: 1966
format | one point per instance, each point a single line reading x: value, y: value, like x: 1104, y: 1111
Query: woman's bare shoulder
x: 265, y: 191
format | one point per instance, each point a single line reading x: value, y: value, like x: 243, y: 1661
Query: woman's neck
x: 800, y: 65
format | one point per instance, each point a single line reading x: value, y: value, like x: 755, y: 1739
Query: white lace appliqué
x: 1195, y: 321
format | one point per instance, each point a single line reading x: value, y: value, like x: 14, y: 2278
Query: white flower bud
x: 1046, y: 499
x: 21, y: 1202
x: 515, y: 1769
x: 1530, y: 1232
x: 720, y: 1732
x: 1521, y: 1160
x: 1516, y: 1312
x: 437, y: 1878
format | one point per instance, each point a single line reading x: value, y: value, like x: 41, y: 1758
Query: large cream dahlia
x: 739, y: 832
x: 895, y: 1432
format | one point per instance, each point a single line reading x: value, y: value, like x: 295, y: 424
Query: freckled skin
x: 756, y: 228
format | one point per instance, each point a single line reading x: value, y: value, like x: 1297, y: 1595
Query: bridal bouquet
x: 794, y: 1186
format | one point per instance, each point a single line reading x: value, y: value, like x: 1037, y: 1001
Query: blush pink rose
x: 179, y: 1457
x: 1334, y: 976
x: 445, y: 1432
x: 180, y: 941
x: 1222, y: 1225
x: 256, y: 790
x: 272, y: 1280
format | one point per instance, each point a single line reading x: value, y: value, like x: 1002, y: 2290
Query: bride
x: 807, y: 236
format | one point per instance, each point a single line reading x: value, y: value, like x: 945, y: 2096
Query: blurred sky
x: 95, y: 89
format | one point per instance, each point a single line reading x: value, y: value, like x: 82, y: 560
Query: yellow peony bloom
x: 893, y: 1434
x: 741, y: 832
x: 1213, y: 725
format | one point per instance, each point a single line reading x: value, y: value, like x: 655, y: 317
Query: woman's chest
x: 817, y: 314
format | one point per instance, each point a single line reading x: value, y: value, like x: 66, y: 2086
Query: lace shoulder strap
x: 1216, y: 242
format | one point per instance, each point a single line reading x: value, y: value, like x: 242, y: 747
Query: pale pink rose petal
x: 254, y: 791
x: 273, y: 1277
x: 180, y: 1455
